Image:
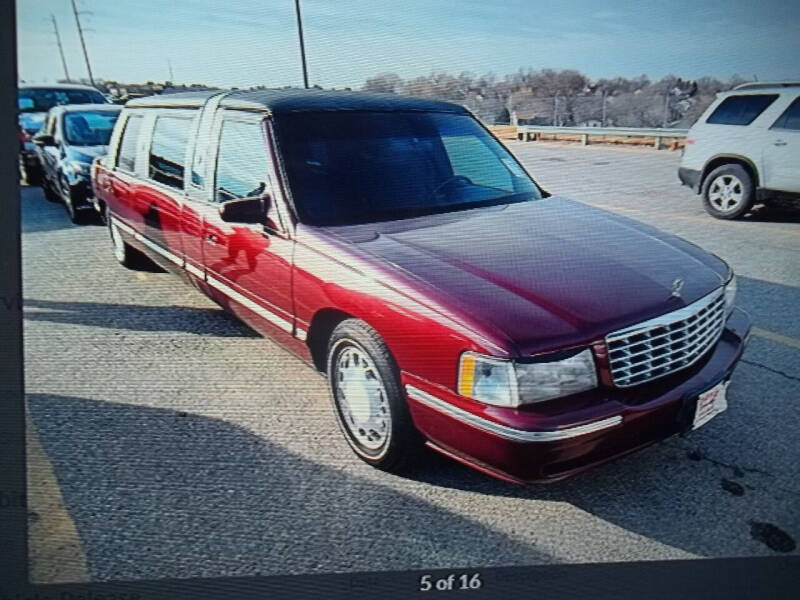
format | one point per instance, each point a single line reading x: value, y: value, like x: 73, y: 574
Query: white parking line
x: 786, y: 340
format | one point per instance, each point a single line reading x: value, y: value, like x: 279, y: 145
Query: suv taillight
x: 690, y: 140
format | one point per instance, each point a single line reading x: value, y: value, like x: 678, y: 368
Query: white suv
x: 745, y: 148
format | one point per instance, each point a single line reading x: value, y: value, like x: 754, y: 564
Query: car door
x: 121, y: 183
x: 248, y: 266
x: 199, y: 192
x: 159, y: 198
x: 781, y: 158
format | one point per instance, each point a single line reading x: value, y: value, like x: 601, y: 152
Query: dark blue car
x: 69, y: 141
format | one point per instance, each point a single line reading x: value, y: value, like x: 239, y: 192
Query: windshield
x: 362, y: 167
x: 42, y: 99
x: 89, y: 128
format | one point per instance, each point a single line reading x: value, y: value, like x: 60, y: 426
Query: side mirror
x: 44, y: 139
x: 245, y: 210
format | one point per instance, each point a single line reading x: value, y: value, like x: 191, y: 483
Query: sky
x: 254, y: 42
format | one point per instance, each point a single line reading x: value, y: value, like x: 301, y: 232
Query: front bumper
x: 523, y: 447
x: 689, y: 177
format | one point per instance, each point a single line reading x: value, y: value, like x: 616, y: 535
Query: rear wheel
x: 728, y: 192
x: 368, y: 400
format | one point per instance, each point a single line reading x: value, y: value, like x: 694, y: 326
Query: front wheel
x: 49, y: 194
x: 77, y: 217
x: 126, y: 255
x: 33, y: 175
x: 728, y: 192
x: 368, y: 400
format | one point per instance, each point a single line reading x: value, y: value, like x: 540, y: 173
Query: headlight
x: 730, y: 293
x: 514, y: 383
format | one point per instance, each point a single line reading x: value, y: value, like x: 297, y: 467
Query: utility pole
x: 60, y: 48
x: 666, y: 108
x: 555, y: 111
x: 171, y: 76
x: 605, y: 95
x: 83, y: 42
x: 302, y: 46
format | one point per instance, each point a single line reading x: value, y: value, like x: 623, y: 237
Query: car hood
x: 86, y: 154
x: 544, y: 274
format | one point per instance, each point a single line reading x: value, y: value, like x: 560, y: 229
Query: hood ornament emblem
x: 677, y: 286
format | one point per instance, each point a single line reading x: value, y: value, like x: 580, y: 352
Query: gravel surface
x: 186, y: 445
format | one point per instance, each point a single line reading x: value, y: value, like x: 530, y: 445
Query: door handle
x: 780, y: 143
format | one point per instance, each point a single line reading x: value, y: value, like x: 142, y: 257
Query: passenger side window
x: 168, y: 150
x: 241, y: 162
x: 126, y: 156
x: 790, y: 119
x: 741, y: 110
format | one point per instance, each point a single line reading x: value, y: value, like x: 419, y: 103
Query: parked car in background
x: 403, y: 251
x: 71, y: 138
x: 33, y: 102
x: 745, y: 149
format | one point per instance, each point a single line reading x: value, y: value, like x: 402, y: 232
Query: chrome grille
x: 666, y: 344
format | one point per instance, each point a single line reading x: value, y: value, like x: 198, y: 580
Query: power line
x: 83, y: 42
x: 60, y: 48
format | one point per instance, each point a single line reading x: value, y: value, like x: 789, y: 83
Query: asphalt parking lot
x: 168, y: 440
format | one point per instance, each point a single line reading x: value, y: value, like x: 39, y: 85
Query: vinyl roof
x: 291, y: 100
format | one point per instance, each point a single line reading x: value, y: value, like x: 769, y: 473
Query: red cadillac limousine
x: 399, y: 248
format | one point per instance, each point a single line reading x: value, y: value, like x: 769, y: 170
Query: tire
x: 728, y: 192
x: 384, y: 438
x: 126, y: 255
x: 76, y: 216
x: 33, y: 176
x: 49, y: 194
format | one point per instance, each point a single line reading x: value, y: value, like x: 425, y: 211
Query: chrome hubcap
x: 362, y: 398
x: 726, y: 193
x: 119, y: 245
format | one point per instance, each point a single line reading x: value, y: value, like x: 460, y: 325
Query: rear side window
x: 741, y: 110
x: 126, y: 157
x: 790, y: 119
x: 241, y: 162
x: 168, y: 150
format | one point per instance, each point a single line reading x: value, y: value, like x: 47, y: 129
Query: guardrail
x: 534, y: 132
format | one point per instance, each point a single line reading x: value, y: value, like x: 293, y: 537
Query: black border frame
x: 723, y: 578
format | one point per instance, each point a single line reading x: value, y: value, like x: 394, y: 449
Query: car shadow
x: 136, y: 317
x: 774, y: 212
x: 158, y: 493
x: 39, y: 214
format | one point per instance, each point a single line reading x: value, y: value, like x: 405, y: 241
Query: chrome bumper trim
x: 517, y: 435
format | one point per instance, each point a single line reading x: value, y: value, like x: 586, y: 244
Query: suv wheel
x: 367, y: 398
x: 728, y: 192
